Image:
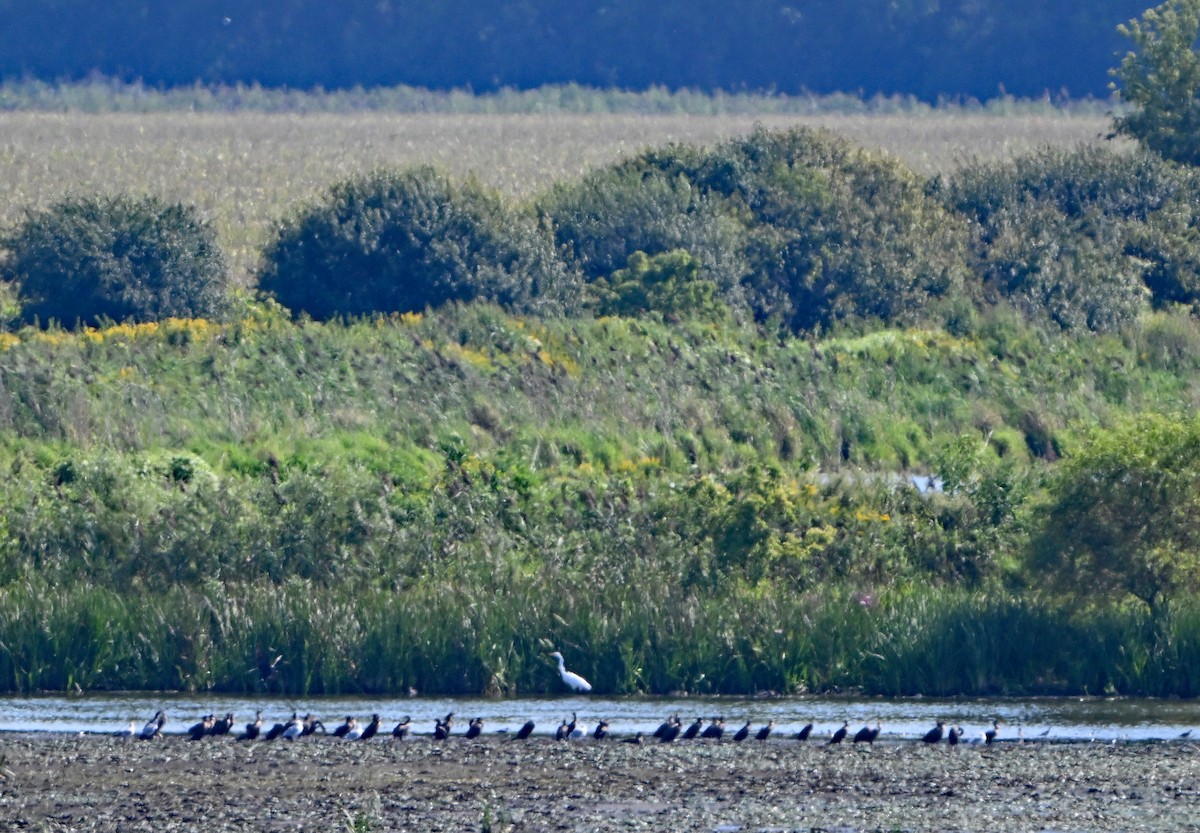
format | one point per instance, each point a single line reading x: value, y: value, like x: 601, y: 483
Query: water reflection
x: 1054, y: 718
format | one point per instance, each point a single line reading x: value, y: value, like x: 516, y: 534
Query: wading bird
x: 372, y: 728
x: 222, y: 725
x: 346, y: 727
x: 252, y: 729
x: 934, y: 735
x: 441, y: 728
x: 867, y: 734
x: 990, y: 735
x: 154, y: 726
x: 840, y: 734
x: 199, y: 730
x: 573, y: 680
x: 714, y: 730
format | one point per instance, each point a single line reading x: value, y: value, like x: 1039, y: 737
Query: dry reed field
x: 246, y: 170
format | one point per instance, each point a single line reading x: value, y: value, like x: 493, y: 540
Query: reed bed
x: 451, y: 639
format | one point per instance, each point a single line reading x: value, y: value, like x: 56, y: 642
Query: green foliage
x: 404, y: 241
x: 1120, y: 516
x: 667, y: 283
x: 605, y: 218
x: 1161, y: 79
x: 94, y: 258
x: 1083, y: 238
x: 833, y: 231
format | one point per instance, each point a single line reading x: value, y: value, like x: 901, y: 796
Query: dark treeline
x: 931, y: 50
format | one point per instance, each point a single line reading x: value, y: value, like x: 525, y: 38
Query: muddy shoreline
x: 92, y: 782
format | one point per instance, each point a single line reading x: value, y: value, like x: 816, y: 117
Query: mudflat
x: 494, y: 783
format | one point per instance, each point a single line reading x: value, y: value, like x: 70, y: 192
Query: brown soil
x: 57, y: 782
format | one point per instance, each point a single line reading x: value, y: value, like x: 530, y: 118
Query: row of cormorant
x: 670, y: 730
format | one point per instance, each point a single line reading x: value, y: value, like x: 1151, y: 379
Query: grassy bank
x: 436, y: 501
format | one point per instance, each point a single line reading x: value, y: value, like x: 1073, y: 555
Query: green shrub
x: 600, y: 221
x: 669, y: 283
x: 833, y: 231
x: 1085, y: 237
x: 93, y: 258
x: 404, y: 241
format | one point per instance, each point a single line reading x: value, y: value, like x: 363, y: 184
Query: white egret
x: 573, y: 680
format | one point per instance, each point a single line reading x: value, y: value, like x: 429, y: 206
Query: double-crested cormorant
x: 525, y: 731
x: 693, y: 730
x: 343, y: 730
x: 401, y: 729
x: 154, y: 726
x: 563, y: 731
x: 474, y: 728
x: 635, y: 739
x: 714, y: 730
x: 953, y: 735
x: 311, y: 724
x: 867, y: 734
x: 222, y: 725
x: 990, y: 734
x: 252, y: 729
x: 742, y: 733
x: 765, y: 731
x: 573, y: 680
x: 672, y: 731
x: 840, y: 734
x: 666, y: 726
x: 278, y: 729
x: 199, y: 730
x: 805, y: 732
x: 601, y: 731
x: 934, y: 735
x: 441, y: 728
x: 371, y: 729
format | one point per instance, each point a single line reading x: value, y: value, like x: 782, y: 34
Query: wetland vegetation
x: 688, y: 473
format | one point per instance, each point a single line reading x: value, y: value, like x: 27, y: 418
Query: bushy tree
x: 403, y: 241
x: 1084, y: 237
x: 833, y: 231
x: 600, y: 221
x: 1120, y: 519
x: 1161, y: 79
x: 86, y: 259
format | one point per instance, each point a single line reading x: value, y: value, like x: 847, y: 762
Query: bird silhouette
x: 765, y: 731
x: 742, y: 733
x: 990, y: 735
x: 474, y: 728
x: 573, y: 680
x: 601, y: 731
x: 867, y: 734
x: 934, y: 735
x: 372, y: 728
x: 252, y: 729
x: 401, y: 729
x: 347, y: 726
x: 714, y: 730
x: 805, y: 732
x: 840, y: 734
x: 694, y: 729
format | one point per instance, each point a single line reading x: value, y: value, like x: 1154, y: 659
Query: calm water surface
x: 1064, y: 718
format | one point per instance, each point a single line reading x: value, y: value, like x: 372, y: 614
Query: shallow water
x: 1052, y: 718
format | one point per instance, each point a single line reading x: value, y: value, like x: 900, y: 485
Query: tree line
x: 929, y: 50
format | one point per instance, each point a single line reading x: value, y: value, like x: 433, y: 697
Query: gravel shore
x: 66, y: 782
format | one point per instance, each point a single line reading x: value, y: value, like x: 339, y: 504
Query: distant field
x: 247, y: 170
